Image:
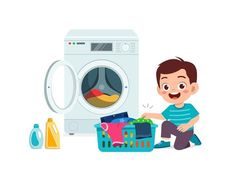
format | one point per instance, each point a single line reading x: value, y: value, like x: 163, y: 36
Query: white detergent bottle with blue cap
x: 36, y: 138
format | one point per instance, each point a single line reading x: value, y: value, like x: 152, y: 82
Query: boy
x: 177, y: 81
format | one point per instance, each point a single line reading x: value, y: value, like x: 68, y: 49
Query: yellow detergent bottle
x: 52, y: 138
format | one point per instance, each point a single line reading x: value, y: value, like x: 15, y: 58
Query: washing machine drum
x: 101, y: 87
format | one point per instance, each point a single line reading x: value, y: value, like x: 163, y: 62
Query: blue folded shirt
x: 109, y: 119
x: 122, y: 120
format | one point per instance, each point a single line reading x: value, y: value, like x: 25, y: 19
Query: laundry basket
x: 131, y: 144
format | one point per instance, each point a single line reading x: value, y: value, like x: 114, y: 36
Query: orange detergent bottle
x: 52, y: 137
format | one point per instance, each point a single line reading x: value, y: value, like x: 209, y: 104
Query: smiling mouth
x: 174, y: 95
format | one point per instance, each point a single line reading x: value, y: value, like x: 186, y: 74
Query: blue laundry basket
x: 131, y: 144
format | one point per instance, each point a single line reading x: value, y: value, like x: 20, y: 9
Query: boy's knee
x: 166, y: 124
x: 178, y: 147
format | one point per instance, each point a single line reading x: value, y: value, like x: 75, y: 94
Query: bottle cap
x: 36, y: 125
x: 49, y: 120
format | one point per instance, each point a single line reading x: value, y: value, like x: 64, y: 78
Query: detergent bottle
x: 36, y: 138
x: 52, y: 135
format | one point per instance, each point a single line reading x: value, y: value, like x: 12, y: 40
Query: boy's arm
x: 185, y: 127
x: 193, y: 121
x: 153, y: 115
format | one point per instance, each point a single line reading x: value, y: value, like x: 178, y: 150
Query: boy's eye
x: 181, y: 86
x: 166, y: 87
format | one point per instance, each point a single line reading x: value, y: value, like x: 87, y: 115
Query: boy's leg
x: 182, y: 140
x: 168, y: 128
x: 166, y: 131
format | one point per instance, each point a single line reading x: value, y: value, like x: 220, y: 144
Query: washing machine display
x: 101, y: 87
x: 101, y: 46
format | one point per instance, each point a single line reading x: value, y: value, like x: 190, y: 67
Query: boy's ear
x: 194, y: 87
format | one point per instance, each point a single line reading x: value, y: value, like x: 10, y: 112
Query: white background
x: 31, y: 38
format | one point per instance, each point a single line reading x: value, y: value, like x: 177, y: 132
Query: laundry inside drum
x: 102, y: 87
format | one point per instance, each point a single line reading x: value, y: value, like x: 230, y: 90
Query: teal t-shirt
x: 181, y: 115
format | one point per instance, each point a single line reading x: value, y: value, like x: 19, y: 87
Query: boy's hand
x: 183, y: 127
x: 152, y: 115
x: 147, y: 115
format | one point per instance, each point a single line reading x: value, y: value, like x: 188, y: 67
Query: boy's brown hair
x: 172, y: 65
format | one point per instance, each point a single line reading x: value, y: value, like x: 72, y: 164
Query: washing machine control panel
x: 104, y: 47
x: 125, y: 47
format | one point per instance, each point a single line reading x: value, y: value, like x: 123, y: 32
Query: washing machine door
x: 103, y: 86
x: 48, y: 87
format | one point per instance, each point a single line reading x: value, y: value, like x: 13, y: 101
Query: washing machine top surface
x: 100, y: 34
x: 101, y: 42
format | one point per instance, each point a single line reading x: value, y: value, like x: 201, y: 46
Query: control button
x: 125, y: 47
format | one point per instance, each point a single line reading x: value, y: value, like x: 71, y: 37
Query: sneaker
x: 162, y: 144
x: 195, y: 140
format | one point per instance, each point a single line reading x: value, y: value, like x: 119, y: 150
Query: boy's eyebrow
x: 181, y: 77
x: 164, y: 77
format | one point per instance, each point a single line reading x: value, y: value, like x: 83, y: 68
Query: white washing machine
x: 101, y: 77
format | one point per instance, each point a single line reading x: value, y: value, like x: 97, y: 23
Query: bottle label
x: 34, y: 139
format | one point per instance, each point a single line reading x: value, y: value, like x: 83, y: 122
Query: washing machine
x: 100, y: 78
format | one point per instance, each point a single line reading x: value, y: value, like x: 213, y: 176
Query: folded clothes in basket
x: 142, y: 127
x: 125, y: 119
x: 143, y: 130
x: 111, y: 118
x: 115, y: 132
x: 113, y: 125
x: 141, y: 120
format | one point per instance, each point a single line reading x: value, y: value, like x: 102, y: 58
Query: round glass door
x: 103, y: 86
x: 51, y: 86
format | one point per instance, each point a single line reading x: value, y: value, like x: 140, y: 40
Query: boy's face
x: 175, y: 88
